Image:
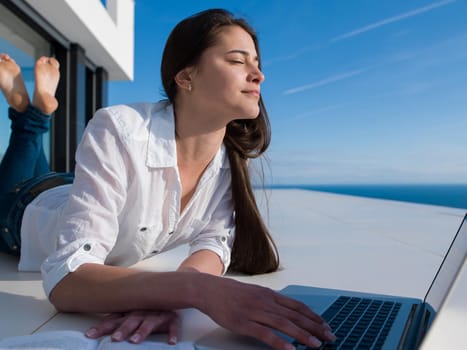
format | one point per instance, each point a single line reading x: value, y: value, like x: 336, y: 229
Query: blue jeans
x: 24, y: 173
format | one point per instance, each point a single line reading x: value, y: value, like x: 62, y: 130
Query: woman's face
x: 227, y: 79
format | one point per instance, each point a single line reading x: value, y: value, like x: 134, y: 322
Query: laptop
x: 363, y: 320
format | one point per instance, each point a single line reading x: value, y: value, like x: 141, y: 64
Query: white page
x: 54, y: 340
x: 107, y: 344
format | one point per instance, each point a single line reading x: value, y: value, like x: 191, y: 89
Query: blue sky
x: 358, y: 91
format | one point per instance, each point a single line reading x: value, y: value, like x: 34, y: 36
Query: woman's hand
x: 259, y: 312
x: 136, y: 326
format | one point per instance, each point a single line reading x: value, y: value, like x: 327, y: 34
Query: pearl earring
x: 189, y: 87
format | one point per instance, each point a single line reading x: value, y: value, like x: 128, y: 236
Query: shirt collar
x: 162, y: 149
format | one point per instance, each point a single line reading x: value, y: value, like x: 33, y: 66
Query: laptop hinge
x: 416, y: 327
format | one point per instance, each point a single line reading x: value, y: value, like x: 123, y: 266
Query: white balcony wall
x: 105, y: 33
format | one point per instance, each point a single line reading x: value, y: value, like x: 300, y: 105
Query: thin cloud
x: 356, y: 32
x: 290, y: 56
x: 329, y: 80
x: 393, y: 19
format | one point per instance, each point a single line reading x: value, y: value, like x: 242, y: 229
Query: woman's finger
x: 150, y: 324
x: 174, y: 329
x: 267, y: 336
x: 305, y: 319
x: 299, y: 307
x: 129, y: 325
x: 106, y: 326
x: 309, y: 336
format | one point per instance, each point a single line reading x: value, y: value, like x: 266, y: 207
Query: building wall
x: 93, y: 40
x: 105, y: 33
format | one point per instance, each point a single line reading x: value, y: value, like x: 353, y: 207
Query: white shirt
x: 124, y: 204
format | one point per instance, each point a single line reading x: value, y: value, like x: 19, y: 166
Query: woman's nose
x: 257, y: 76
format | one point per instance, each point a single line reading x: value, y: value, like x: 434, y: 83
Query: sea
x: 448, y: 195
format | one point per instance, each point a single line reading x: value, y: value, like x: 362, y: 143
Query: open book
x: 71, y: 340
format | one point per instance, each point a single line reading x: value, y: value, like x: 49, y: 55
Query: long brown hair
x: 253, y: 250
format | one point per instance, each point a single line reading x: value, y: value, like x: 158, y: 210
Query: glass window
x: 23, y: 44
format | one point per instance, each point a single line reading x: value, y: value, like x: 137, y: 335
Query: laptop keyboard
x: 358, y: 323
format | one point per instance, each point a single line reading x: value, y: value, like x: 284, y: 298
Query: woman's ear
x: 183, y: 78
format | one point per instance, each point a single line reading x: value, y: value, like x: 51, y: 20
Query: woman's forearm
x: 242, y: 308
x: 101, y: 288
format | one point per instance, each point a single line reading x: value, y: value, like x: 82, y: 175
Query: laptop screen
x: 451, y: 265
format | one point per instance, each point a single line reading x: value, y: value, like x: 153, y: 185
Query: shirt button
x: 223, y: 238
x: 87, y: 247
x: 171, y: 233
x: 142, y: 229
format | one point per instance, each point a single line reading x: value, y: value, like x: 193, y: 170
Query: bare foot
x: 12, y: 84
x: 46, y: 75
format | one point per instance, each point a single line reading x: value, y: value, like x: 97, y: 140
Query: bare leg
x: 12, y: 84
x: 46, y: 75
x: 24, y: 157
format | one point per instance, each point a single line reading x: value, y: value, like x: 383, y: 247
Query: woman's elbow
x: 59, y: 301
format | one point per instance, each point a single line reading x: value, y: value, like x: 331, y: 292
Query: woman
x: 150, y: 177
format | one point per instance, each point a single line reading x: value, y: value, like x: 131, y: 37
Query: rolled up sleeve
x: 217, y: 233
x: 68, y: 259
x: 219, y: 243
